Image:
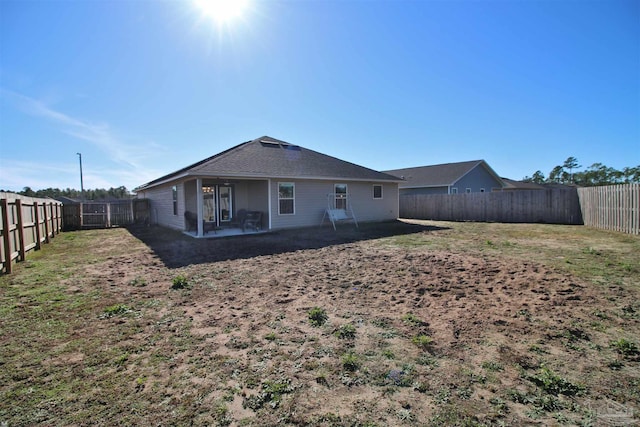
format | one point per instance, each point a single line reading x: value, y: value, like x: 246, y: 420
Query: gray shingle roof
x: 268, y: 157
x: 436, y: 175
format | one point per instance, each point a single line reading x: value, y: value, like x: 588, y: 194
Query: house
x: 513, y: 185
x: 449, y: 178
x: 288, y: 185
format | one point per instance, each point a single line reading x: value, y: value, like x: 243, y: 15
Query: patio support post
x: 199, y: 206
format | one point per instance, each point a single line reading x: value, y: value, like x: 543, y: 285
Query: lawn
x: 404, y: 323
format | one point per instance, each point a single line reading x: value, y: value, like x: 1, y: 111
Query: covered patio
x: 224, y: 232
x: 222, y: 207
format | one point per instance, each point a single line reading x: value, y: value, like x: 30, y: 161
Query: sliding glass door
x: 217, y: 203
x: 225, y: 196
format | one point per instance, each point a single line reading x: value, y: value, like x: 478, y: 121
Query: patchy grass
x: 424, y: 324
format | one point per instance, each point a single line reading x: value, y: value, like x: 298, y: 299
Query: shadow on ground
x: 178, y: 250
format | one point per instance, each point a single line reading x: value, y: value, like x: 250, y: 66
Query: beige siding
x: 161, y: 205
x: 258, y: 196
x: 369, y: 209
x: 190, y: 196
x: 311, y: 202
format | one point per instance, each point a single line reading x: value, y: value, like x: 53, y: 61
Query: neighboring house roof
x: 442, y: 175
x: 268, y: 157
x: 67, y: 200
x: 511, y: 184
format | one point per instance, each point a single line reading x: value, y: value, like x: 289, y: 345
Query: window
x: 482, y: 190
x: 174, y: 191
x: 454, y: 190
x: 468, y: 190
x: 341, y: 196
x: 286, y: 198
x: 377, y: 191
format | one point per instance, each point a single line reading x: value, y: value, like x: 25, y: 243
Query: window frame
x: 174, y: 198
x: 344, y: 197
x: 454, y: 190
x: 380, y: 197
x: 293, y: 198
x: 467, y: 190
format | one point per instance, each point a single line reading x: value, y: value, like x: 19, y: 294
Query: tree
x: 631, y: 174
x: 596, y: 174
x: 96, y: 194
x: 556, y: 175
x: 538, y: 177
x: 27, y: 191
x: 571, y: 163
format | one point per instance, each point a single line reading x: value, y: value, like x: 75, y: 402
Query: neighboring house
x: 450, y: 178
x: 513, y: 185
x: 289, y: 185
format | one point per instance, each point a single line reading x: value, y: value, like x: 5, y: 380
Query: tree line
x: 596, y: 174
x: 96, y: 194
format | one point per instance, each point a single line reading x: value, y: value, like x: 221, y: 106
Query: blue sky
x: 142, y: 88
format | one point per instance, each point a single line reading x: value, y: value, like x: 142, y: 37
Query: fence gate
x: 88, y: 215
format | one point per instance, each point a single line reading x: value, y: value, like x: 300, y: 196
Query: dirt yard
x: 406, y: 323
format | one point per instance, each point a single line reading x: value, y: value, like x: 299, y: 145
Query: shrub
x: 179, y: 282
x: 346, y: 331
x: 411, y: 319
x: 625, y: 347
x: 554, y: 384
x: 318, y: 316
x: 115, y: 310
x: 422, y: 341
x: 350, y: 361
x: 271, y: 394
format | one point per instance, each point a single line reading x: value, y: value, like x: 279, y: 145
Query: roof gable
x: 441, y: 175
x: 268, y: 157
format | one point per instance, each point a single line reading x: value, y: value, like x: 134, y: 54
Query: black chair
x: 238, y: 219
x: 191, y: 220
x: 252, y: 220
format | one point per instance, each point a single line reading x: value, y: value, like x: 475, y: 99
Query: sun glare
x: 222, y: 11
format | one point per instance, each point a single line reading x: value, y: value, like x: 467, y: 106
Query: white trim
x: 293, y: 198
x: 180, y: 177
x: 453, y: 190
x: 175, y: 205
x: 467, y: 190
x: 343, y: 196
x: 373, y: 188
x: 269, y: 201
x: 199, y: 206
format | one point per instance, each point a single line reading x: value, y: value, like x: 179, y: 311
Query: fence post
x: 36, y: 209
x: 6, y: 231
x: 46, y: 224
x: 20, y: 229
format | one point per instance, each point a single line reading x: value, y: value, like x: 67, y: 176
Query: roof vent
x: 281, y: 144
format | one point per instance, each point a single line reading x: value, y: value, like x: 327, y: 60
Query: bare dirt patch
x: 438, y: 333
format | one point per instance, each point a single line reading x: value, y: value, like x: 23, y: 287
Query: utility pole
x: 81, y: 183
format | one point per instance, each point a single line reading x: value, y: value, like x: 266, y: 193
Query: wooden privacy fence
x: 552, y: 206
x: 26, y: 223
x: 116, y: 213
x: 612, y: 207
